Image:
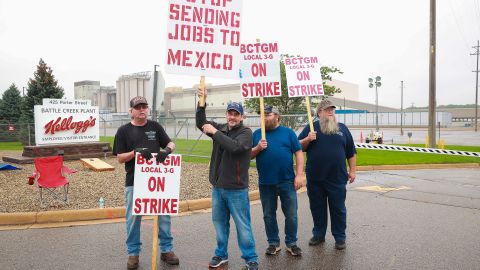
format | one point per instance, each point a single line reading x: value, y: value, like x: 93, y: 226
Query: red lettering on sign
x: 265, y: 89
x: 201, y: 15
x: 156, y: 206
x: 62, y: 124
x: 301, y: 60
x: 204, y: 59
x: 259, y: 47
x: 305, y: 90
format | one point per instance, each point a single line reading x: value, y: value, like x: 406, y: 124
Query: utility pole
x: 432, y: 77
x: 154, y: 102
x: 401, y: 108
x: 477, y: 53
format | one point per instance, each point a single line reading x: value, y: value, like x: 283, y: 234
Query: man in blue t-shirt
x: 277, y: 179
x: 327, y: 147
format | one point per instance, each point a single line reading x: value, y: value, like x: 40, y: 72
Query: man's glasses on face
x: 141, y: 106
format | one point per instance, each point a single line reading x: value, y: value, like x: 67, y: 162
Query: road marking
x: 382, y: 189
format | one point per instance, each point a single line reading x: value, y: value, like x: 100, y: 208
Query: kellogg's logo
x: 62, y: 124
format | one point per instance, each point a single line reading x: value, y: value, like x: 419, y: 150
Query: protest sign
x: 204, y: 37
x: 303, y: 76
x: 260, y: 70
x: 157, y: 186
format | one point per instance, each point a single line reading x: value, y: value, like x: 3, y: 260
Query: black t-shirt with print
x: 129, y: 137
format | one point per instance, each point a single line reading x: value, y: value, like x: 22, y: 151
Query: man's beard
x: 270, y: 124
x: 329, y: 125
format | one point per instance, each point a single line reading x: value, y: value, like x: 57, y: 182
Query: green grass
x: 364, y: 156
x: 10, y: 146
x: 380, y: 157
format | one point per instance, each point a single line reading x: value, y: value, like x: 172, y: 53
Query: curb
x: 44, y: 217
x: 30, y: 218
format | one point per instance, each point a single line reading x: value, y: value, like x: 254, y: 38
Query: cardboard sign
x: 303, y: 76
x: 204, y: 37
x: 60, y: 121
x: 260, y: 70
x: 156, y: 189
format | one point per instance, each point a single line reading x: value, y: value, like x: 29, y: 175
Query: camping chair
x: 50, y: 175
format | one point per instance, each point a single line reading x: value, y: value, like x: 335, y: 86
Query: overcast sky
x: 101, y: 40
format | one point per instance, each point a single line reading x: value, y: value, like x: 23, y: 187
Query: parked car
x: 374, y: 137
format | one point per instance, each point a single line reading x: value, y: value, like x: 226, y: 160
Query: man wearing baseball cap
x: 327, y: 147
x: 229, y: 164
x: 146, y: 137
x: 277, y: 179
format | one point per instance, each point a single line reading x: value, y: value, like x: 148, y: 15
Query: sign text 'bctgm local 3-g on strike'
x: 157, y: 185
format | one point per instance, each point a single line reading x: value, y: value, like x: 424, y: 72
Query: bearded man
x: 278, y: 179
x: 327, y: 147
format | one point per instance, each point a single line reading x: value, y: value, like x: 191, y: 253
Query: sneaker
x: 251, y: 266
x: 316, y: 240
x: 272, y: 250
x: 170, y: 258
x: 132, y: 262
x: 340, y: 244
x: 294, y: 250
x: 216, y: 261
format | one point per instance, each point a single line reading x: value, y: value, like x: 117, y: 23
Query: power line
x: 462, y: 35
x: 477, y: 11
x: 477, y: 53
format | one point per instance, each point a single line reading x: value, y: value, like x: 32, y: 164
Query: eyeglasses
x: 141, y: 106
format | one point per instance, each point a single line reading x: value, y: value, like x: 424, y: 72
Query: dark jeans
x: 288, y: 198
x: 320, y: 193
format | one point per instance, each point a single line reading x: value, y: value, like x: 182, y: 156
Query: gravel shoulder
x: 87, y: 186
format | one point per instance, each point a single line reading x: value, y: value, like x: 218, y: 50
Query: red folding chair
x: 50, y: 175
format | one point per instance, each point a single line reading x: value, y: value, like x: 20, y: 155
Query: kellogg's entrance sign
x: 60, y: 121
x: 260, y: 70
x: 303, y: 76
x: 204, y: 37
x: 156, y: 189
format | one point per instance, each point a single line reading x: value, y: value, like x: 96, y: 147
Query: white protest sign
x: 260, y: 70
x: 303, y: 76
x: 60, y: 121
x: 156, y: 189
x: 204, y: 37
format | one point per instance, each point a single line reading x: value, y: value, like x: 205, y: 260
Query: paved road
x: 424, y: 219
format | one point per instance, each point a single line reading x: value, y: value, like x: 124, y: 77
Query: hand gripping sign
x: 157, y: 186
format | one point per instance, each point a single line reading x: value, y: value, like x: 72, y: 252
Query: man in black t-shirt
x: 146, y: 137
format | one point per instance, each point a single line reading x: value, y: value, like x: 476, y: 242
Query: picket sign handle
x: 202, y: 86
x: 155, y: 242
x: 262, y: 118
x: 309, y: 113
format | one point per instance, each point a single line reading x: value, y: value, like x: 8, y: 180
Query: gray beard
x: 329, y: 125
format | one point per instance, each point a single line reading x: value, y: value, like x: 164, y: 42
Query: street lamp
x: 377, y: 84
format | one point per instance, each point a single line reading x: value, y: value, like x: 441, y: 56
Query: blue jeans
x: 288, y: 198
x: 133, y: 228
x: 320, y: 194
x: 234, y: 202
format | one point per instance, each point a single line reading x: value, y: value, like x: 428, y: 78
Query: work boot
x: 340, y: 244
x: 316, y: 240
x: 132, y: 262
x: 170, y: 258
x: 272, y: 250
